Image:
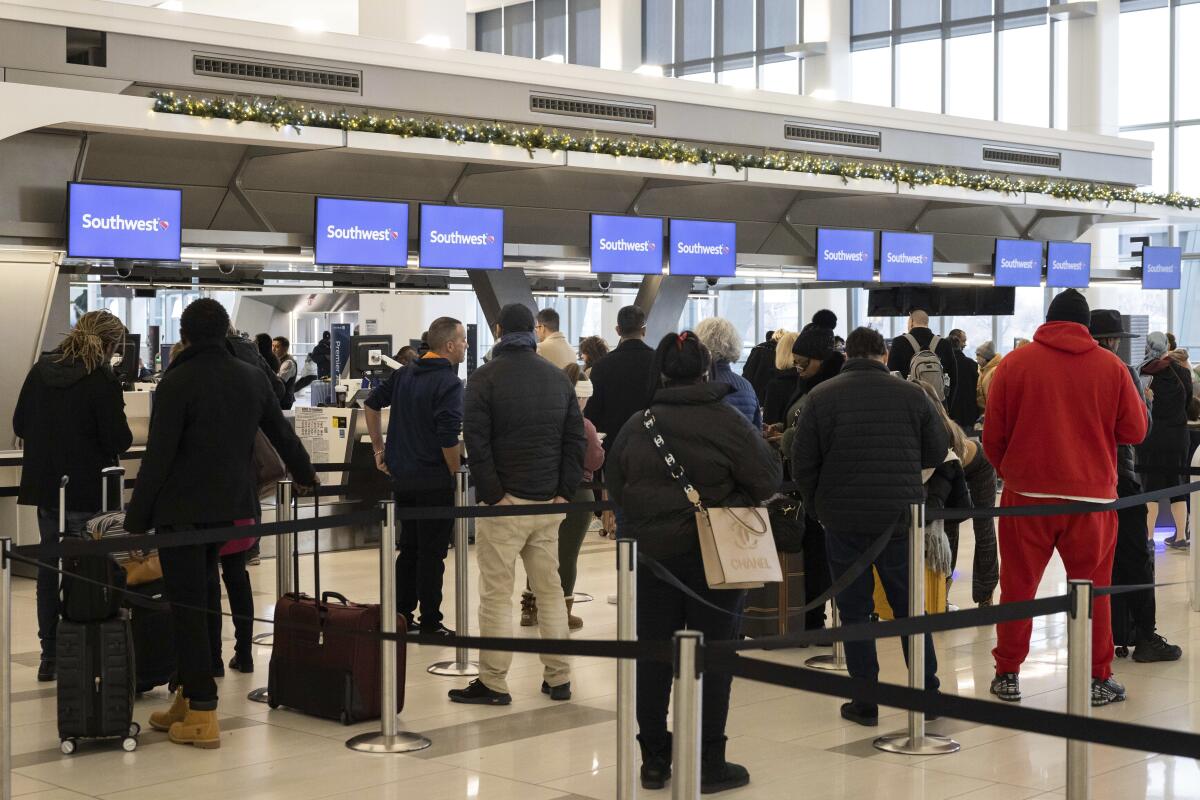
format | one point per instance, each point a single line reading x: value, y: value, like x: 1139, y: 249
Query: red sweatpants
x: 1085, y: 542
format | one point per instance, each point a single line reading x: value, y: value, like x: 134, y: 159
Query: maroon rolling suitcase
x: 321, y: 665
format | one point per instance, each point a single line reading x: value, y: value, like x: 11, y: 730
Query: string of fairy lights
x: 281, y: 113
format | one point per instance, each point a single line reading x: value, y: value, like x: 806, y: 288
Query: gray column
x: 621, y: 34
x: 438, y: 23
x: 662, y: 297
x: 497, y: 288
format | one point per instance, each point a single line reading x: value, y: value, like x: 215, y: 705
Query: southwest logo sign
x: 626, y: 245
x: 706, y: 249
x: 905, y: 257
x: 1068, y: 264
x: 362, y: 233
x: 1161, y: 267
x: 123, y: 222
x: 456, y: 237
x: 1018, y: 262
x: 845, y: 255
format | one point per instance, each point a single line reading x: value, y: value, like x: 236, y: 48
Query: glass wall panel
x: 1187, y: 156
x: 694, y: 33
x: 1161, y: 138
x: 1187, y: 75
x: 871, y: 76
x: 1028, y: 314
x: 552, y: 29
x: 970, y: 72
x: 739, y: 308
x: 1144, y: 68
x: 518, y: 30
x: 489, y: 31
x: 1025, y: 75
x: 919, y: 75
x: 658, y: 32
x: 584, y: 32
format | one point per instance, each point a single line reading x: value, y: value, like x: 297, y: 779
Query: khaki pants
x: 499, y: 541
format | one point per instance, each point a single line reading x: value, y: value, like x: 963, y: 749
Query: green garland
x: 281, y: 113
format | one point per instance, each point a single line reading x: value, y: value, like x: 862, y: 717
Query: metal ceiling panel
x: 172, y: 162
x: 34, y: 170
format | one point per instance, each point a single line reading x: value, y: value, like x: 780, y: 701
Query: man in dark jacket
x: 422, y: 458
x: 70, y: 416
x: 759, y: 368
x: 862, y: 440
x: 525, y: 439
x: 962, y: 404
x: 321, y: 355
x: 902, y: 352
x: 198, y: 472
x: 621, y: 380
x: 1134, y: 614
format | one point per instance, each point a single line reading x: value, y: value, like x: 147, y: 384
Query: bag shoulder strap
x: 912, y: 340
x: 673, y: 465
x: 933, y: 344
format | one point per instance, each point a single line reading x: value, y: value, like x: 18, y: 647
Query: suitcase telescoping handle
x: 62, y: 504
x: 316, y: 549
x: 112, y: 498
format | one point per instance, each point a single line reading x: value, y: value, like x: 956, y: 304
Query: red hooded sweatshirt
x: 1056, y: 412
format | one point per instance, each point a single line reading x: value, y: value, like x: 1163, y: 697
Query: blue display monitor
x: 906, y: 257
x: 1161, y: 267
x: 1018, y: 262
x: 1068, y: 265
x: 627, y: 245
x: 845, y: 255
x: 457, y: 237
x: 706, y: 249
x: 361, y: 233
x: 123, y: 222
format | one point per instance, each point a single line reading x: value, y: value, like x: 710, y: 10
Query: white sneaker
x: 612, y: 599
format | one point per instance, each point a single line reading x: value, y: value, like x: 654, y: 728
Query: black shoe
x: 1007, y: 686
x: 861, y: 713
x: 1107, y: 691
x: 1156, y: 648
x: 437, y: 630
x: 478, y: 694
x: 560, y: 692
x: 242, y: 663
x: 717, y: 774
x: 47, y: 670
x: 656, y: 763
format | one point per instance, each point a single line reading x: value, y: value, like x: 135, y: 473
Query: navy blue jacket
x: 743, y: 397
x: 426, y: 399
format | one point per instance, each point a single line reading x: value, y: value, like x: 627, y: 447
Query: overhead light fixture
x: 955, y: 280
x: 241, y: 257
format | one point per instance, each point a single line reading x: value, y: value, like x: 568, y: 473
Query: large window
x: 550, y: 30
x: 733, y: 42
x: 987, y: 59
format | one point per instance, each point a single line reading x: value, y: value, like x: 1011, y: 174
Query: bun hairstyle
x: 825, y: 319
x: 680, y: 358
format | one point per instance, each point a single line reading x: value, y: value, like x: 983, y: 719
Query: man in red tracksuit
x: 1056, y: 412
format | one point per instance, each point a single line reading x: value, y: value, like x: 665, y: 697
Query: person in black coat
x: 901, y: 354
x: 526, y: 443
x: 962, y: 404
x: 862, y: 440
x: 782, y: 387
x: 198, y: 472
x: 248, y: 351
x: 70, y: 416
x: 1167, y: 445
x: 621, y: 380
x: 729, y: 464
x: 760, y: 365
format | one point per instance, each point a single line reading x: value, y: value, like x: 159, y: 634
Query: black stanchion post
x: 627, y: 762
x: 285, y: 545
x: 1079, y: 683
x: 5, y: 670
x: 389, y: 739
x: 915, y: 741
x: 686, y: 703
x: 461, y: 666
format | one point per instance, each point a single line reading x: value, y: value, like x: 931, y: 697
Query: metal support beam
x: 662, y: 297
x: 497, y: 288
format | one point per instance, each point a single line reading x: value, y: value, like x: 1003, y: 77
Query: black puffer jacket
x: 620, y: 386
x: 759, y: 368
x: 72, y: 423
x: 728, y: 462
x: 523, y: 427
x: 1128, y: 480
x: 862, y: 440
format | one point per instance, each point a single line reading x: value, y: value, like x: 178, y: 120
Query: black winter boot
x: 656, y: 763
x: 717, y: 774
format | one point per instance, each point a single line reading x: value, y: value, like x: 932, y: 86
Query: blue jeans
x: 856, y: 602
x: 48, y: 600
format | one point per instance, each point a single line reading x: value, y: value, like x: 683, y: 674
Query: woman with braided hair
x: 71, y: 418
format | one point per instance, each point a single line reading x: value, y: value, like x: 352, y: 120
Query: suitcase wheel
x: 1122, y: 652
x: 129, y: 744
x: 134, y: 729
x: 67, y: 746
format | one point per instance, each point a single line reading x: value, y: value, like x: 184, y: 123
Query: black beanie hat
x: 1070, y: 306
x: 814, y: 342
x: 825, y: 319
x: 515, y: 318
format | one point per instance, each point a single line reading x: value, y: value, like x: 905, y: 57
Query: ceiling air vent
x: 612, y: 111
x: 267, y: 72
x: 842, y: 137
x: 1025, y: 158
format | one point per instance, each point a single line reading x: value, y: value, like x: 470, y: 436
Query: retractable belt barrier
x: 1052, y: 510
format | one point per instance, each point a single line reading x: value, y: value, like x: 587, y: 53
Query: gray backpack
x: 926, y: 367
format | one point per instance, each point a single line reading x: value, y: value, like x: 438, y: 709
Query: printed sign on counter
x: 627, y: 245
x: 362, y: 233
x: 1161, y: 267
x: 906, y: 257
x: 123, y: 222
x: 456, y: 237
x: 845, y: 255
x: 1068, y: 265
x: 705, y: 249
x: 1018, y: 262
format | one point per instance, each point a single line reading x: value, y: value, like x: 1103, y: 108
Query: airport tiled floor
x: 795, y: 744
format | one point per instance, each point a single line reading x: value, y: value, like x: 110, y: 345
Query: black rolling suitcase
x: 153, y: 635
x: 95, y: 656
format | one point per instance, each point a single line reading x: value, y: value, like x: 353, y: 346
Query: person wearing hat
x: 1056, y: 411
x: 525, y: 438
x: 1167, y: 446
x: 422, y: 457
x: 1133, y: 613
x: 988, y: 359
x: 575, y: 527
